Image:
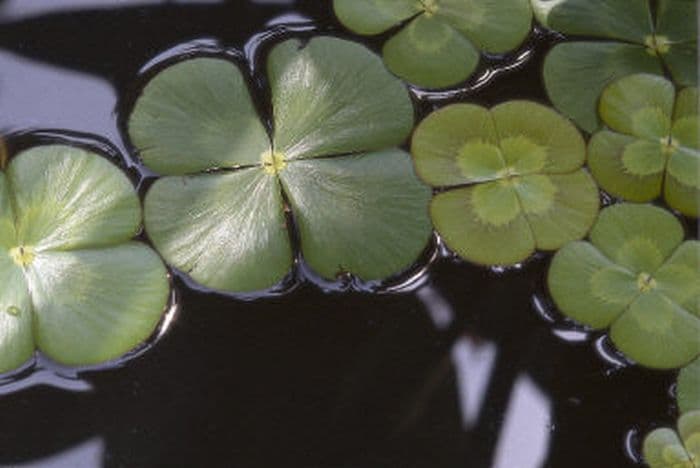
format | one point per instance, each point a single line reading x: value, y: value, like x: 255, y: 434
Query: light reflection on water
x: 18, y: 9
x: 87, y: 454
x: 524, y: 439
x: 36, y: 95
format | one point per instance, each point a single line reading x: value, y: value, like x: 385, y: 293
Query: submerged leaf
x: 356, y: 202
x: 438, y: 41
x: 74, y: 286
x: 527, y: 190
x: 654, y: 146
x: 637, y: 277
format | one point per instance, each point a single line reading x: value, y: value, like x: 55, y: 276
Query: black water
x: 466, y: 367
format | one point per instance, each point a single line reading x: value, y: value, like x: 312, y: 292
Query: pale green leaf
x: 559, y: 207
x: 689, y: 430
x: 679, y: 277
x: 639, y: 105
x: 575, y: 74
x: 16, y: 315
x: 364, y: 214
x: 430, y: 53
x: 558, y: 137
x: 8, y: 236
x: 68, y: 198
x: 686, y: 132
x: 95, y: 305
x: 197, y: 115
x: 688, y: 388
x: 637, y: 237
x: 589, y: 287
x: 483, y: 224
x: 656, y: 332
x: 682, y: 185
x: 606, y: 160
x: 374, y: 16
x: 681, y: 197
x: 495, y: 26
x: 331, y: 97
x: 454, y: 145
x: 227, y: 231
x: 686, y: 103
x: 684, y: 166
x: 663, y: 449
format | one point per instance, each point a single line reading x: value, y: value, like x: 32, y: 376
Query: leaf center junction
x: 657, y: 45
x: 669, y: 145
x: 645, y: 282
x: 273, y: 162
x: 23, y: 255
x: 430, y: 7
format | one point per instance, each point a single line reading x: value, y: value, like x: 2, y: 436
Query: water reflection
x: 36, y: 95
x: 474, y: 361
x: 523, y: 434
x: 19, y: 9
x: 524, y: 439
x: 88, y: 454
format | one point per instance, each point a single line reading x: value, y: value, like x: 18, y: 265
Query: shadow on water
x: 468, y: 367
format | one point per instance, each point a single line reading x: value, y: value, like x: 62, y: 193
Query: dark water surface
x: 464, y: 367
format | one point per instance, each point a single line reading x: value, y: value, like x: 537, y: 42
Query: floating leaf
x: 525, y: 189
x: 670, y: 448
x: 3, y: 154
x: 337, y: 113
x: 653, y: 146
x: 74, y: 286
x: 637, y: 277
x: 575, y: 73
x: 688, y: 388
x: 438, y: 41
x: 197, y: 116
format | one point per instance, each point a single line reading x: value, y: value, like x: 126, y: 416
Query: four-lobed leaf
x: 629, y: 38
x: 651, y: 144
x: 513, y: 176
x: 74, y: 285
x: 219, y: 213
x: 438, y: 42
x: 688, y: 387
x: 639, y: 278
x: 675, y: 448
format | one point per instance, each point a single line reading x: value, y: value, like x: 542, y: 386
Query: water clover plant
x: 651, y: 144
x: 626, y: 37
x: 74, y: 285
x: 437, y: 42
x: 512, y: 176
x: 679, y: 448
x: 638, y: 277
x: 219, y: 212
x: 688, y: 388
